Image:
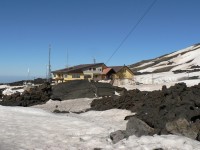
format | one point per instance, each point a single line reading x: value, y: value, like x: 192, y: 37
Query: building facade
x: 98, y: 71
x: 80, y: 72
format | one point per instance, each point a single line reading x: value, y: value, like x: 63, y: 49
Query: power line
x: 132, y: 29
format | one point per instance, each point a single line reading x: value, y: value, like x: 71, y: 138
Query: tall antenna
x: 28, y: 76
x: 49, y: 66
x: 94, y: 60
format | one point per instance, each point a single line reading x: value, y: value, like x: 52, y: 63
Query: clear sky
x: 88, y: 29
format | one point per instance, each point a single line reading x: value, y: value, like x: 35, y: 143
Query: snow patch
x: 116, y: 93
x: 155, y: 81
x: 73, y: 105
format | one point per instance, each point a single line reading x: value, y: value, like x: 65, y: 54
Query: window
x: 99, y: 69
x: 60, y: 75
x: 75, y: 75
x: 65, y: 75
x: 90, y: 68
x: 94, y: 69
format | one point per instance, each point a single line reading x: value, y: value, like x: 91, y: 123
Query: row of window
x: 94, y: 69
x: 78, y: 75
x: 73, y: 76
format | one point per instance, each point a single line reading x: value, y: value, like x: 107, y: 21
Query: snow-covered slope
x: 30, y: 128
x: 179, y: 66
x: 185, y: 59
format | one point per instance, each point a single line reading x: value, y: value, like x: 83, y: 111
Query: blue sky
x: 88, y: 29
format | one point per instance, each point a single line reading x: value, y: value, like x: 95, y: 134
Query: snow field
x: 182, y: 61
x: 31, y: 128
x: 150, y: 82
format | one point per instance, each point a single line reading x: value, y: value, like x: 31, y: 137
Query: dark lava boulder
x: 138, y: 128
x: 135, y: 127
x: 81, y: 89
x: 103, y: 89
x: 117, y: 136
x: 157, y: 108
x: 1, y: 90
x: 31, y: 96
x: 182, y: 127
x: 130, y: 100
x: 72, y: 89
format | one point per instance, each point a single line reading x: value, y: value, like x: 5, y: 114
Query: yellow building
x: 118, y: 72
x: 122, y: 72
x: 80, y: 72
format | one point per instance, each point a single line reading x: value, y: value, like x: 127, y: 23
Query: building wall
x: 93, y: 70
x: 58, y: 75
x: 69, y: 77
x: 124, y: 73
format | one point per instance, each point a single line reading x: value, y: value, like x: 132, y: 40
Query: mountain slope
x: 185, y: 59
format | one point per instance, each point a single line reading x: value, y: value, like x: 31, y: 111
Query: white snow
x: 105, y: 81
x: 118, y: 82
x: 155, y: 81
x: 10, y: 91
x: 166, y: 142
x: 31, y: 128
x: 182, y: 61
x: 192, y: 55
x: 72, y: 105
x: 116, y: 93
x: 145, y: 64
x: 180, y: 51
x: 3, y: 86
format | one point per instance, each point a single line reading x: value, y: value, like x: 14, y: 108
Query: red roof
x: 105, y: 71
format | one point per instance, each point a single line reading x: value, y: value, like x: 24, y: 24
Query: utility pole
x: 49, y: 66
x: 94, y: 60
x: 28, y: 76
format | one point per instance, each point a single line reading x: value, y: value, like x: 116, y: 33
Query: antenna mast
x: 94, y: 60
x: 28, y: 76
x: 49, y: 66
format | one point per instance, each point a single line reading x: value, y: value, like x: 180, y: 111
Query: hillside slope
x: 185, y: 59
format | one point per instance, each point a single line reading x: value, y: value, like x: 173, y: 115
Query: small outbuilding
x: 118, y: 72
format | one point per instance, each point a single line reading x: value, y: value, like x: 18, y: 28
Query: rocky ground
x: 174, y: 110
x: 81, y: 89
x: 34, y: 95
x: 35, y: 81
x: 31, y: 96
x: 1, y: 90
